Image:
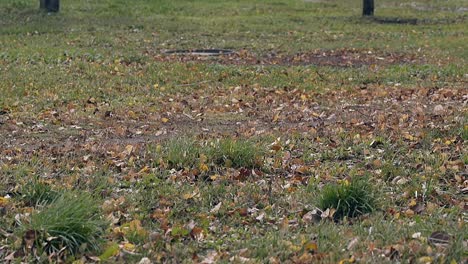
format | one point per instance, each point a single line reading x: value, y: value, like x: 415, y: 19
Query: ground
x: 114, y: 149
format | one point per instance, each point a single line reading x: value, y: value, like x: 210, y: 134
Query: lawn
x: 323, y: 137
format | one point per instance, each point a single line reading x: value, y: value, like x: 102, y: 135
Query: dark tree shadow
x: 412, y: 21
x: 394, y: 20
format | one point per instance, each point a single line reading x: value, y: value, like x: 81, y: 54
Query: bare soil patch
x: 244, y: 112
x: 337, y: 58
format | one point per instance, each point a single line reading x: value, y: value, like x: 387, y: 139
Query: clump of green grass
x: 236, y: 153
x: 37, y: 193
x: 349, y: 198
x: 72, y: 221
x: 181, y: 153
x: 186, y: 153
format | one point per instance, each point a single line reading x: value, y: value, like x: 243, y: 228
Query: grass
x: 236, y: 153
x: 72, y: 222
x: 37, y: 193
x: 181, y: 153
x: 349, y: 198
x: 220, y: 159
x: 227, y: 152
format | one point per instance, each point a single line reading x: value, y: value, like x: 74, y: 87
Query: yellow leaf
x: 275, y: 118
x: 3, y: 201
x: 144, y: 170
x: 348, y: 260
x: 344, y: 182
x: 204, y: 167
x: 131, y: 114
x: 133, y: 227
x: 424, y: 260
x: 188, y: 196
x: 311, y: 246
x: 164, y: 120
x: 129, y: 246
x: 410, y: 137
x: 128, y: 150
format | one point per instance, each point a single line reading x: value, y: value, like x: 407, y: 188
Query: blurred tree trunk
x: 50, y: 5
x: 368, y: 7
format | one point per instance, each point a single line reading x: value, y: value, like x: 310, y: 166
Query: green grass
x: 72, y: 222
x: 180, y: 153
x: 349, y: 198
x: 186, y: 152
x: 36, y: 193
x: 236, y: 153
x: 202, y: 155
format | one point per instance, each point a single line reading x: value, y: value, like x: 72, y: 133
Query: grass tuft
x: 349, y: 198
x: 36, y: 193
x: 181, y: 153
x: 72, y: 222
x: 185, y: 153
x: 236, y: 153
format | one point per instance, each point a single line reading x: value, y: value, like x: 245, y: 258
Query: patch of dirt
x: 243, y: 112
x: 338, y: 58
x: 414, y: 21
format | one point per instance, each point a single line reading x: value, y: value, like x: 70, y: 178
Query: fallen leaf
x: 111, y: 250
x: 348, y: 260
x: 145, y: 260
x: 425, y: 260
x: 352, y: 243
x: 439, y: 110
x: 215, y: 209
x: 439, y: 238
x: 313, y: 216
x: 243, y: 211
x: 204, y: 167
x: 129, y: 246
x: 196, y: 233
x: 311, y: 246
x: 3, y: 201
x: 210, y: 258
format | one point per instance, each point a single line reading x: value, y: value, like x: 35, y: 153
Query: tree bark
x: 50, y: 5
x: 368, y: 7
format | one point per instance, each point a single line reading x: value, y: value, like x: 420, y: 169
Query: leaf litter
x: 307, y: 132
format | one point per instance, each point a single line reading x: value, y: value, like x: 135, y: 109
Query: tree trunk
x: 50, y: 5
x: 368, y: 7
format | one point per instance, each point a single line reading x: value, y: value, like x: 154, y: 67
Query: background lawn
x: 323, y: 137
